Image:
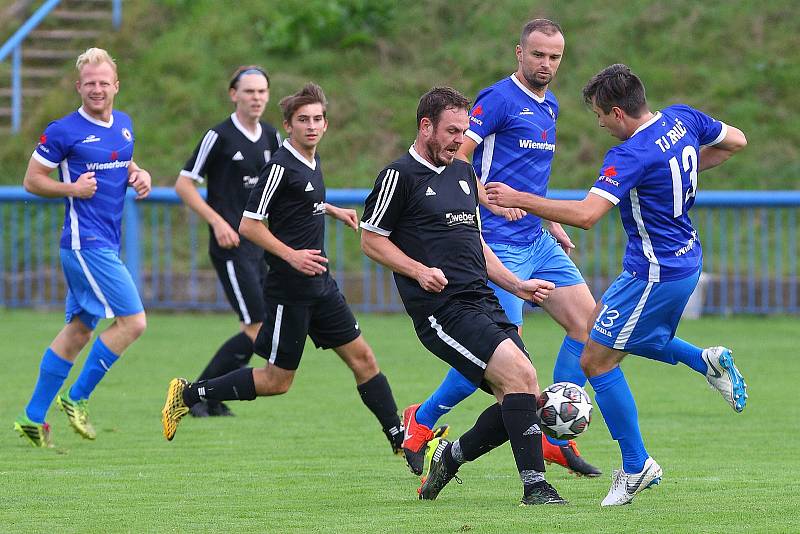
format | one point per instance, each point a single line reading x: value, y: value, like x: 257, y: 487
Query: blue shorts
x: 98, y: 286
x: 544, y: 259
x: 638, y: 314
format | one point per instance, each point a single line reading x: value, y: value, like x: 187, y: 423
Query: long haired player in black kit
x: 230, y: 156
x: 301, y: 298
x: 421, y: 221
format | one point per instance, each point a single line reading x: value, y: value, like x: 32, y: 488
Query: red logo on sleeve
x: 114, y: 155
x: 610, y: 171
x: 544, y: 135
x: 477, y: 111
x: 42, y: 139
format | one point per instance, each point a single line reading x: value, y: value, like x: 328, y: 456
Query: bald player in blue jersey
x: 512, y: 139
x: 652, y: 177
x: 92, y: 148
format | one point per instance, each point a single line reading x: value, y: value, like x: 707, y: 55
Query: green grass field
x: 315, y: 460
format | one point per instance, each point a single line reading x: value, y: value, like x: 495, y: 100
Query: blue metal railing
x: 750, y: 244
x: 14, y: 47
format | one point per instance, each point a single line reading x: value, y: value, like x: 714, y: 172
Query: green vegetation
x: 735, y: 60
x: 315, y: 460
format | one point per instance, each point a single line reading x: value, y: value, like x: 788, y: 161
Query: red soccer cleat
x: 569, y: 457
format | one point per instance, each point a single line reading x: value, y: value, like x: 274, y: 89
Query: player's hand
x: 141, y: 181
x: 501, y: 195
x: 534, y: 290
x: 226, y: 236
x: 557, y: 231
x: 347, y: 216
x: 307, y: 261
x: 431, y: 279
x: 509, y: 214
x: 85, y: 186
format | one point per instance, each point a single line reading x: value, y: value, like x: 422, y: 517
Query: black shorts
x: 465, y: 334
x: 328, y: 321
x: 243, y: 282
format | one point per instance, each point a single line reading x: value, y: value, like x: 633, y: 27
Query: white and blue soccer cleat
x: 723, y: 376
x: 624, y: 486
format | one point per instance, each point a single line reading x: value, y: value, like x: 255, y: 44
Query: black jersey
x: 430, y: 213
x: 290, y: 194
x: 230, y: 157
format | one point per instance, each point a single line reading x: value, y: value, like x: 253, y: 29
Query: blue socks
x: 99, y: 360
x: 568, y: 369
x: 52, y: 373
x: 615, y: 400
x: 678, y: 351
x: 453, y: 389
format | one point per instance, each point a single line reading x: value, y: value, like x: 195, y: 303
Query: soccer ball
x: 565, y: 410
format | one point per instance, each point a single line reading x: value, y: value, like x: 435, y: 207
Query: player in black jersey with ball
x: 421, y: 220
x: 230, y: 156
x: 301, y: 298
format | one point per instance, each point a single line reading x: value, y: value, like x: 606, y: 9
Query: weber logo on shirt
x: 453, y: 218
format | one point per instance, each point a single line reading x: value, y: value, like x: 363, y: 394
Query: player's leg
x: 420, y: 421
x: 54, y: 368
x: 482, y: 345
x: 633, y: 313
x: 333, y: 325
x: 280, y: 341
x: 241, y: 281
x: 571, y: 305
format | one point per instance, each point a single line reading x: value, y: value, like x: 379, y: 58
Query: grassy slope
x: 315, y: 461
x: 730, y: 58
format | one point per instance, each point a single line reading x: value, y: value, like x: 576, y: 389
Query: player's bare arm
x: 711, y: 156
x: 140, y: 180
x: 310, y: 262
x: 465, y: 154
x: 533, y: 290
x: 579, y: 213
x: 38, y: 181
x: 225, y: 235
x: 346, y: 215
x: 379, y: 248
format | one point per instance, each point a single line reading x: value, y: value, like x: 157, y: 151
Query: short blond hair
x: 95, y: 56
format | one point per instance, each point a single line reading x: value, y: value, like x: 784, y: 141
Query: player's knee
x: 363, y: 363
x: 592, y: 366
x: 520, y: 377
x: 135, y: 325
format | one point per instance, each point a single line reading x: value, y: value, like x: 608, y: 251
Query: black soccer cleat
x: 437, y: 475
x: 395, y: 437
x: 199, y: 410
x: 542, y: 493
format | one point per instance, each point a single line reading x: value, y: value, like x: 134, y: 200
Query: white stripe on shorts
x: 630, y: 324
x: 276, y: 333
x: 237, y: 291
x: 455, y: 344
x: 95, y: 287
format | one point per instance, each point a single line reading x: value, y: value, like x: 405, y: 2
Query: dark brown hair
x: 437, y: 100
x: 616, y: 86
x: 311, y: 93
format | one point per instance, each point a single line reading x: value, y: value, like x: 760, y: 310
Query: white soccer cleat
x: 723, y: 376
x: 624, y: 487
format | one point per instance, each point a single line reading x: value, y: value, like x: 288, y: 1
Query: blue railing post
x: 16, y: 89
x: 116, y: 14
x: 133, y: 243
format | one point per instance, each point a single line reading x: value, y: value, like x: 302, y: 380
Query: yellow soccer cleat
x: 78, y: 415
x: 174, y: 407
x: 37, y: 434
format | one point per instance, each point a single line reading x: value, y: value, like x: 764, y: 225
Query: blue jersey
x: 79, y: 143
x: 652, y: 177
x: 516, y: 134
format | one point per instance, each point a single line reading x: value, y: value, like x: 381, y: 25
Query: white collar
x: 416, y: 156
x: 653, y: 119
x: 98, y: 122
x: 310, y: 164
x: 539, y: 99
x: 245, y: 132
